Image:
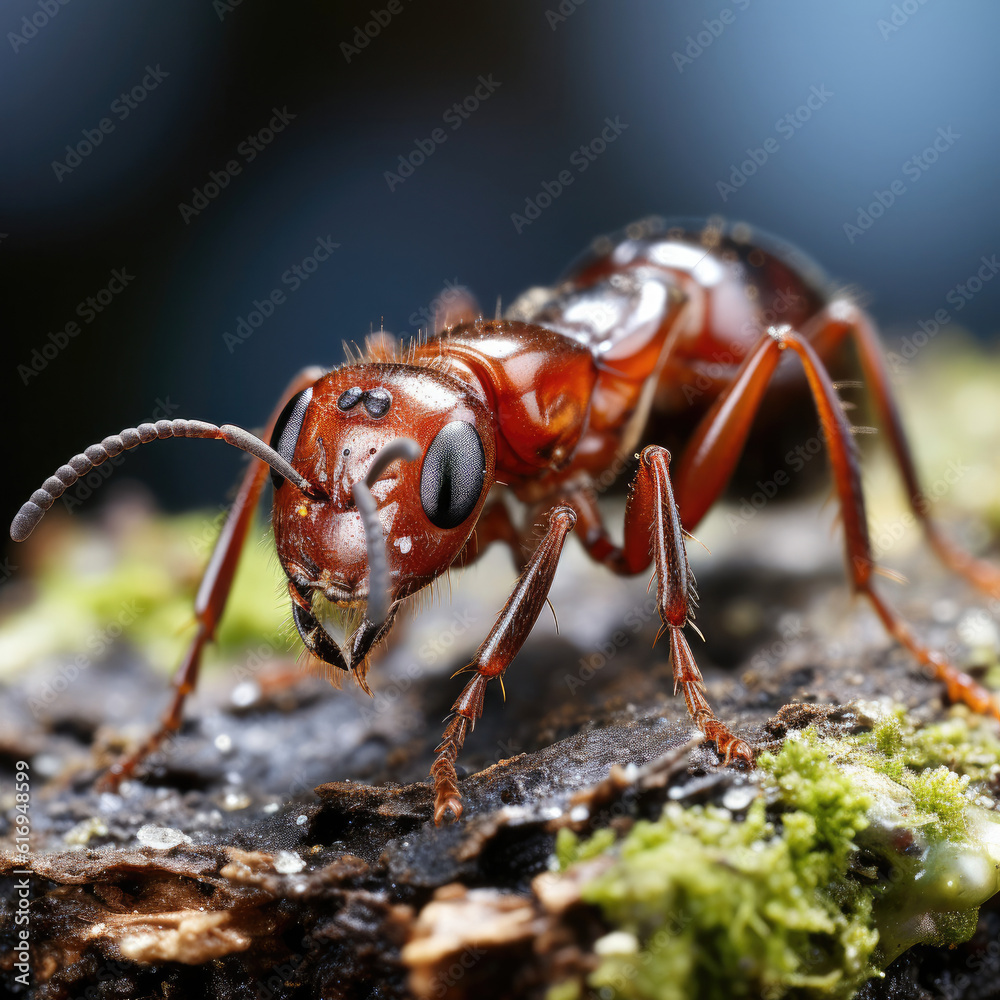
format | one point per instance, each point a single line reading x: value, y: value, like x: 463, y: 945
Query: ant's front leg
x: 211, y: 600
x: 651, y: 507
x: 495, y: 654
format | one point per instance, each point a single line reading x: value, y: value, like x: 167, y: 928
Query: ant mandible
x: 384, y: 469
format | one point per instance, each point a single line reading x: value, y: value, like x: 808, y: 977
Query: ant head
x: 345, y: 430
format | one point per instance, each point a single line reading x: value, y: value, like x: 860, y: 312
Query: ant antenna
x: 79, y: 465
x: 377, y: 609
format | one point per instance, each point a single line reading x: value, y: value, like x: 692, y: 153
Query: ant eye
x: 377, y: 402
x: 453, y: 474
x: 349, y: 398
x: 287, y: 429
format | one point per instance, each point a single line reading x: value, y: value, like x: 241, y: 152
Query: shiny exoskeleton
x: 388, y: 470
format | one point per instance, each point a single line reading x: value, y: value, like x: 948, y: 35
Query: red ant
x: 384, y: 469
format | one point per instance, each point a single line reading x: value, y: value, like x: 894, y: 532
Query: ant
x: 386, y: 470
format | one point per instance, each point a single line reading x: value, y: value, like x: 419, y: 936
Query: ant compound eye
x: 453, y: 474
x: 287, y: 430
x: 349, y: 398
x: 377, y: 402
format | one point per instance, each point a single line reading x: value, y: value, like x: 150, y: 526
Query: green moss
x: 940, y: 793
x: 936, y: 763
x: 725, y: 908
x: 887, y: 736
x: 809, y: 782
x: 941, y: 851
x: 718, y: 903
x: 570, y: 849
x: 848, y: 856
x: 964, y: 743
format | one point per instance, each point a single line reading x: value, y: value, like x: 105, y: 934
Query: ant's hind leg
x: 715, y: 447
x: 983, y: 575
x: 861, y: 562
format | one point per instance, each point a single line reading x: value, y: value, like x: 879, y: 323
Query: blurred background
x: 176, y: 165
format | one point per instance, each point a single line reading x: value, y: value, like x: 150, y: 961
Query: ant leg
x: 715, y: 447
x: 495, y: 654
x: 651, y: 502
x: 711, y: 454
x: 211, y: 600
x: 847, y: 477
x: 983, y: 575
x: 627, y: 560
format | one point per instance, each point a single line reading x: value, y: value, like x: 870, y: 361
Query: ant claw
x: 453, y: 804
x: 738, y: 750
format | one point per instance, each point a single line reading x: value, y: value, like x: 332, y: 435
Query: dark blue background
x: 325, y: 175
